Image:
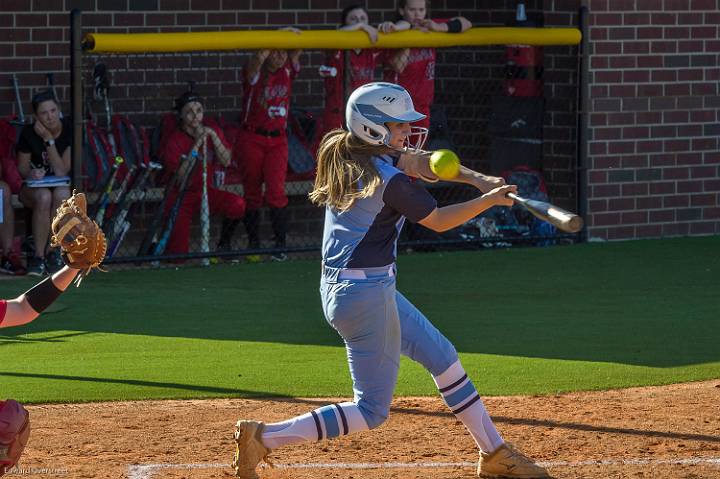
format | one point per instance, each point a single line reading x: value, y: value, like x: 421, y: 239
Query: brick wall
x: 654, y: 166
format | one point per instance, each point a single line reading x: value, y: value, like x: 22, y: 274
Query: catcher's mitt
x: 80, y: 239
x: 14, y: 433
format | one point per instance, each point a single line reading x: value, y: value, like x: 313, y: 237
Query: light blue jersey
x: 359, y: 296
x: 365, y: 236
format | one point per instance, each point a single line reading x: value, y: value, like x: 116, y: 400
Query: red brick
x: 648, y: 117
x: 690, y: 130
x: 610, y: 76
x: 622, y: 62
x: 648, y: 231
x: 662, y: 188
x: 701, y: 89
x: 595, y: 206
x: 635, y: 189
x: 621, y: 147
x: 606, y: 162
x: 711, y: 213
x: 663, y: 19
x: 649, y: 202
x: 606, y: 19
x: 711, y: 157
x: 629, y: 133
x: 676, y: 229
x: 605, y: 191
x: 699, y: 144
x: 677, y: 32
x: 688, y: 75
x: 648, y: 146
x: 708, y: 199
x: 649, y: 90
x: 636, y: 76
x: 621, y: 33
x: 623, y: 91
x: 689, y: 186
x: 606, y: 219
x: 677, y: 89
x: 619, y: 233
x: 634, y: 217
x: 676, y: 173
x: 690, y: 46
x: 676, y: 201
x: 677, y: 145
x: 621, y: 204
x: 688, y: 159
x: 649, y: 32
x: 30, y: 50
x: 636, y: 18
x: 704, y: 32
x: 703, y: 228
x: 664, y: 47
x: 598, y: 91
x: 636, y: 48
x: 703, y: 5
x: 664, y: 159
x: 598, y: 34
x: 598, y: 119
x: 608, y: 48
x: 634, y: 161
x: 23, y: 20
x: 621, y: 118
x: 649, y: 61
x: 596, y: 147
x: 703, y: 171
x: 598, y: 62
x: 661, y: 216
x: 595, y: 176
x: 675, y: 116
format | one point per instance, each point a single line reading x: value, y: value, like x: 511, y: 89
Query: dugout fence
x: 124, y: 86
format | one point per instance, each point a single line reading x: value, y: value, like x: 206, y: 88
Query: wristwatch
x: 50, y: 142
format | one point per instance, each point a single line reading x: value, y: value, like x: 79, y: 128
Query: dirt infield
x: 663, y: 432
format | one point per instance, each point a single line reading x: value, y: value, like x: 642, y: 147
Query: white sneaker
x: 249, y: 449
x: 508, y: 462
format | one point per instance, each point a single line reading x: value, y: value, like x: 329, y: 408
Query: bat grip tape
x: 42, y: 295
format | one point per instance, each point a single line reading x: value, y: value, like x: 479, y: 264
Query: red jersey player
x: 262, y: 146
x: 192, y: 135
x: 362, y: 68
x: 414, y: 68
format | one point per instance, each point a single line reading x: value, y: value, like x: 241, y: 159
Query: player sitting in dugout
x: 261, y: 147
x: 191, y: 139
x: 44, y: 149
x: 414, y: 68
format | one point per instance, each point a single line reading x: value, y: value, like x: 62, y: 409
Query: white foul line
x: 146, y: 471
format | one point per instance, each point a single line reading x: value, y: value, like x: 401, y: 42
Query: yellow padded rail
x: 321, y: 39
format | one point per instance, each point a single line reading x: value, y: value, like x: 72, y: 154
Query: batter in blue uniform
x: 365, y: 182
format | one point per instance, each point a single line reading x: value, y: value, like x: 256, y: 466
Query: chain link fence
x: 485, y: 103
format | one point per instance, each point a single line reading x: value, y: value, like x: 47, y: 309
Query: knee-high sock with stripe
x: 463, y: 399
x: 323, y: 423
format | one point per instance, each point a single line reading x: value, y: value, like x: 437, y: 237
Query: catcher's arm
x: 417, y: 165
x: 28, y: 306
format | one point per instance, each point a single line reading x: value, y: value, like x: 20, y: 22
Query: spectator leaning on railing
x: 262, y: 145
x: 414, y: 68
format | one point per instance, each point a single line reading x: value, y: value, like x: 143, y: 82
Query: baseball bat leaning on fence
x: 104, y: 200
x: 122, y: 222
x: 563, y: 220
x: 205, y: 209
x: 18, y: 100
x: 51, y: 83
x: 159, y: 248
x: 151, y: 235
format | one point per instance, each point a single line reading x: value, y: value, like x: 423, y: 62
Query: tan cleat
x: 249, y: 449
x: 510, y: 463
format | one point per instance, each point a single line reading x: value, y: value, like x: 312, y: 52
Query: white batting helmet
x: 374, y: 104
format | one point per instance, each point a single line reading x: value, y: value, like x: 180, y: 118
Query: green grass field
x: 525, y: 321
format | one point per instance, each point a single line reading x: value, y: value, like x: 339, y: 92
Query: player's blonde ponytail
x: 345, y: 171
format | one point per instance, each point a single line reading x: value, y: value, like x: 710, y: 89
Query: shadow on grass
x: 648, y: 303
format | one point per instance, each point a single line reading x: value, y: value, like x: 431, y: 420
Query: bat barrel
x: 564, y: 220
